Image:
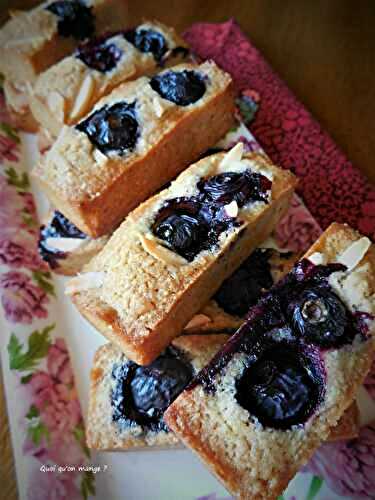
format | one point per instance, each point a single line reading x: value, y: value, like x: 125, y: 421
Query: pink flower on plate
x: 297, y: 230
x: 11, y: 206
x: 53, y: 486
x: 20, y: 251
x: 21, y: 299
x: 348, y: 466
x: 8, y: 148
x: 54, y: 395
x: 29, y: 203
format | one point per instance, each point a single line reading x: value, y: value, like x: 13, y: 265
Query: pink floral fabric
x: 53, y: 422
x: 21, y: 299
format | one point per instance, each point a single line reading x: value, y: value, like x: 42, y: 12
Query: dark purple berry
x: 112, y: 129
x: 245, y: 286
x: 143, y: 393
x: 232, y: 186
x: 75, y: 18
x: 180, y: 87
x: 181, y: 225
x: 98, y: 54
x: 281, y: 388
x: 148, y: 41
x: 320, y: 317
x: 58, y: 227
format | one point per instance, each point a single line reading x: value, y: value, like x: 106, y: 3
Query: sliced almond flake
x: 158, y: 107
x: 231, y: 209
x: 316, y: 258
x: 56, y: 104
x: 65, y: 244
x: 84, y: 282
x: 100, y: 158
x: 235, y: 154
x: 197, y: 321
x: 272, y: 244
x: 235, y: 166
x: 29, y: 88
x: 354, y: 253
x: 83, y: 97
x: 161, y: 253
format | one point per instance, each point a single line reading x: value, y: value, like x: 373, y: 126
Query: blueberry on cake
x: 228, y: 307
x: 64, y: 247
x: 256, y: 413
x: 127, y: 401
x: 95, y: 172
x: 173, y: 252
x: 67, y: 91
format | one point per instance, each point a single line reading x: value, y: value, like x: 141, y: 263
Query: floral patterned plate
x: 47, y: 351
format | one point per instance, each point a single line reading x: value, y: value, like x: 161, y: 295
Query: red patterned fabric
x: 331, y: 187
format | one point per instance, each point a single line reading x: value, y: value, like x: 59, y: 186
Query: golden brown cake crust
x: 151, y: 299
x: 257, y: 463
x: 101, y: 432
x: 96, y: 191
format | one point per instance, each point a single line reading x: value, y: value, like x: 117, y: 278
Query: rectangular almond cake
x: 274, y: 392
x: 33, y: 40
x: 68, y: 90
x: 127, y: 401
x: 133, y: 142
x: 173, y: 252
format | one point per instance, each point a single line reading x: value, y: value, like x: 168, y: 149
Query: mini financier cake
x: 127, y: 401
x: 33, y: 40
x: 226, y: 311
x: 68, y: 90
x: 273, y: 393
x: 64, y: 247
x: 134, y: 141
x: 173, y: 252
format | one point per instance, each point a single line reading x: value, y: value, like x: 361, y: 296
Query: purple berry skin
x: 143, y: 393
x: 180, y: 87
x: 75, y: 19
x: 112, y: 129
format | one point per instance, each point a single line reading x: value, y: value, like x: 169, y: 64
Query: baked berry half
x: 148, y: 41
x: 180, y: 87
x: 142, y: 393
x: 74, y: 18
x: 99, y: 53
x: 112, y: 129
x: 191, y: 225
